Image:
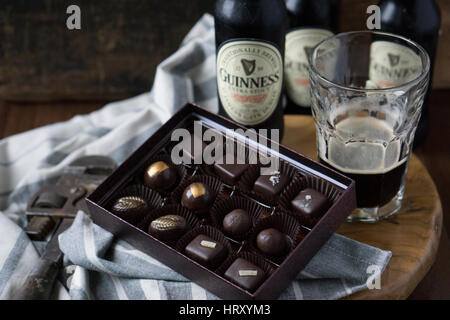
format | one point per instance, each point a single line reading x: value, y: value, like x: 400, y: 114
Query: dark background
x: 49, y: 73
x: 113, y: 56
x: 121, y: 42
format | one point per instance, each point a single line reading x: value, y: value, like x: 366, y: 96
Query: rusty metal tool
x: 66, y: 197
x: 57, y: 205
x: 39, y: 283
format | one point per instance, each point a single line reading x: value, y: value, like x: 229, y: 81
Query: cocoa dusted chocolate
x: 237, y: 222
x: 270, y: 185
x: 206, y: 251
x: 245, y: 274
x: 197, y: 196
x: 129, y: 205
x: 272, y: 242
x: 311, y: 203
x: 160, y: 176
x: 168, y: 228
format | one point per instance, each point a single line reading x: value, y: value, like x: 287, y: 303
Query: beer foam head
x: 388, y: 107
x: 362, y: 145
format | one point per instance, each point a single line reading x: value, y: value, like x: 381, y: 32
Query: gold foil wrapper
x: 208, y: 244
x: 197, y: 189
x: 157, y: 168
x: 248, y: 273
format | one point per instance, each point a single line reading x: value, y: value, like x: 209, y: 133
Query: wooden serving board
x: 412, y: 235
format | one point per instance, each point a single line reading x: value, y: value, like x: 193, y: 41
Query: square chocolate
x: 229, y: 173
x: 310, y: 202
x: 270, y: 185
x: 245, y: 274
x: 206, y: 251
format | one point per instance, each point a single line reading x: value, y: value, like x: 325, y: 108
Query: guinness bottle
x: 250, y: 38
x: 310, y: 21
x: 418, y: 20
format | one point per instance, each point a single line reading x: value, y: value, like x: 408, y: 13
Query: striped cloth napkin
x: 103, y: 267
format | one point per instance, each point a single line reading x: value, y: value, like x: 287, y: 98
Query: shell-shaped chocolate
x: 128, y: 203
x: 168, y: 222
x: 168, y: 228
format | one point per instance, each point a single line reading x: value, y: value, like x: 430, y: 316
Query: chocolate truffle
x: 245, y: 274
x: 168, y: 228
x: 229, y: 172
x: 272, y: 242
x: 197, y: 196
x: 130, y: 205
x: 237, y: 222
x: 311, y: 203
x: 270, y: 185
x: 206, y: 251
x: 160, y: 176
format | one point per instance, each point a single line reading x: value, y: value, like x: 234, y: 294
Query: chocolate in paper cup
x: 283, y: 223
x: 223, y: 207
x: 215, y: 186
x: 213, y: 171
x: 180, y: 170
x: 253, y: 258
x: 323, y: 186
x: 208, y: 231
x: 152, y: 198
x: 252, y: 174
x: 191, y: 220
x: 302, y: 232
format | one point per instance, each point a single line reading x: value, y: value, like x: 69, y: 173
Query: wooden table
x: 412, y: 235
x: 413, y: 250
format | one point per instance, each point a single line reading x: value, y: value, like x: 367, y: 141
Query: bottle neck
x: 294, y: 5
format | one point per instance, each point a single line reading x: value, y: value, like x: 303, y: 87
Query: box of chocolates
x: 235, y: 212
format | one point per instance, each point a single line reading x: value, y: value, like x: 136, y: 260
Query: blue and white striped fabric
x: 107, y: 268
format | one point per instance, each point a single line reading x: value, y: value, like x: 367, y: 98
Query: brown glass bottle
x: 250, y: 37
x: 420, y: 21
x: 310, y: 21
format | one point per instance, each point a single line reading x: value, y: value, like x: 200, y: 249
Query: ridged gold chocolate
x: 168, y: 222
x: 157, y: 168
x: 128, y: 203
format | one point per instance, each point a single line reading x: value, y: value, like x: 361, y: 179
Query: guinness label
x: 392, y: 64
x: 299, y: 46
x: 249, y: 80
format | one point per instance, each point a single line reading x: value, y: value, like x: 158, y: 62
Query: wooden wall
x: 114, y: 55
x: 120, y: 44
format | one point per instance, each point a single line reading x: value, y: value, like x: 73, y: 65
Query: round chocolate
x: 168, y: 228
x: 129, y: 205
x: 197, y: 196
x: 160, y: 176
x: 271, y: 242
x: 237, y: 222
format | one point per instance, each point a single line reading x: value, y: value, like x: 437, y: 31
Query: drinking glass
x: 367, y: 90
